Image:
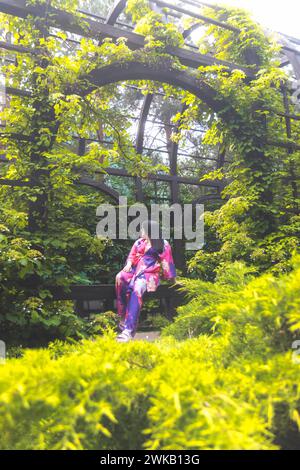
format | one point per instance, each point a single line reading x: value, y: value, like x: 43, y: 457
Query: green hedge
x: 165, y: 395
x: 223, y: 375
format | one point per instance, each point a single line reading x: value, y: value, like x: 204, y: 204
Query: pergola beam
x: 17, y: 92
x: 15, y: 47
x: 100, y: 186
x: 190, y: 13
x: 204, y: 4
x: 123, y: 173
x: 115, y: 11
x: 166, y: 177
x: 93, y: 29
x: 8, y: 182
x: 290, y: 38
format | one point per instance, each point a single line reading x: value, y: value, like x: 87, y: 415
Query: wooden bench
x: 102, y: 297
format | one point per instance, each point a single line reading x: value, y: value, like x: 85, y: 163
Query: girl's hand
x: 127, y: 267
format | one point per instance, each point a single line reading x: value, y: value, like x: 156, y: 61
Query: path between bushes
x: 146, y: 335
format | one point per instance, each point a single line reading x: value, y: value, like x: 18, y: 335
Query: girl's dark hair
x: 153, y: 230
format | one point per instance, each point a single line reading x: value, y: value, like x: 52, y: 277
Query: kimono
x: 148, y: 267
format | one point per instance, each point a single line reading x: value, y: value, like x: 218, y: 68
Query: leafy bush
x: 259, y: 315
x: 28, y: 315
x: 222, y: 376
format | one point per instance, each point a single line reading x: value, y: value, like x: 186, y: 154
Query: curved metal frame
x: 100, y: 186
x: 134, y: 70
x: 117, y: 9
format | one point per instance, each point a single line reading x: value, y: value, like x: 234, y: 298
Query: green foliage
x: 249, y: 42
x: 258, y: 314
x: 222, y: 376
x: 162, y: 395
x: 158, y: 33
x: 159, y: 321
x: 261, y: 178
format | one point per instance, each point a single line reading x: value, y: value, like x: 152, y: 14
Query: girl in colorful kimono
x: 149, y: 260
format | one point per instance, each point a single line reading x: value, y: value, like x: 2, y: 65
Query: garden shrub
x: 260, y: 314
x: 169, y: 394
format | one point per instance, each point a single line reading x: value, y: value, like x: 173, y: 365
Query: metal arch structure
x: 110, y: 27
x: 94, y: 29
x: 288, y: 43
x: 100, y: 186
x: 156, y: 6
x: 66, y: 21
x: 134, y: 70
x: 113, y: 15
x: 291, y: 55
x: 117, y: 9
x: 117, y: 72
x: 139, y: 143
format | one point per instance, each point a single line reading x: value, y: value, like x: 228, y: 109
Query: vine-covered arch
x: 119, y: 72
x: 98, y: 28
x: 134, y: 70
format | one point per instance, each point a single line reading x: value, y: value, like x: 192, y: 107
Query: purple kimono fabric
x: 148, y: 267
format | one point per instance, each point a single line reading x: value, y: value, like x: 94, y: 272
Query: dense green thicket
x: 47, y: 230
x: 233, y: 384
x: 260, y: 314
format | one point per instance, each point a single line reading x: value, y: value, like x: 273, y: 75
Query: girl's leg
x: 134, y: 305
x: 121, y: 283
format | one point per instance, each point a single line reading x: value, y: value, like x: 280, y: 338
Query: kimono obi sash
x: 150, y: 257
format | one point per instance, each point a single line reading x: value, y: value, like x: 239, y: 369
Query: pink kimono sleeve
x: 167, y: 262
x: 134, y: 256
